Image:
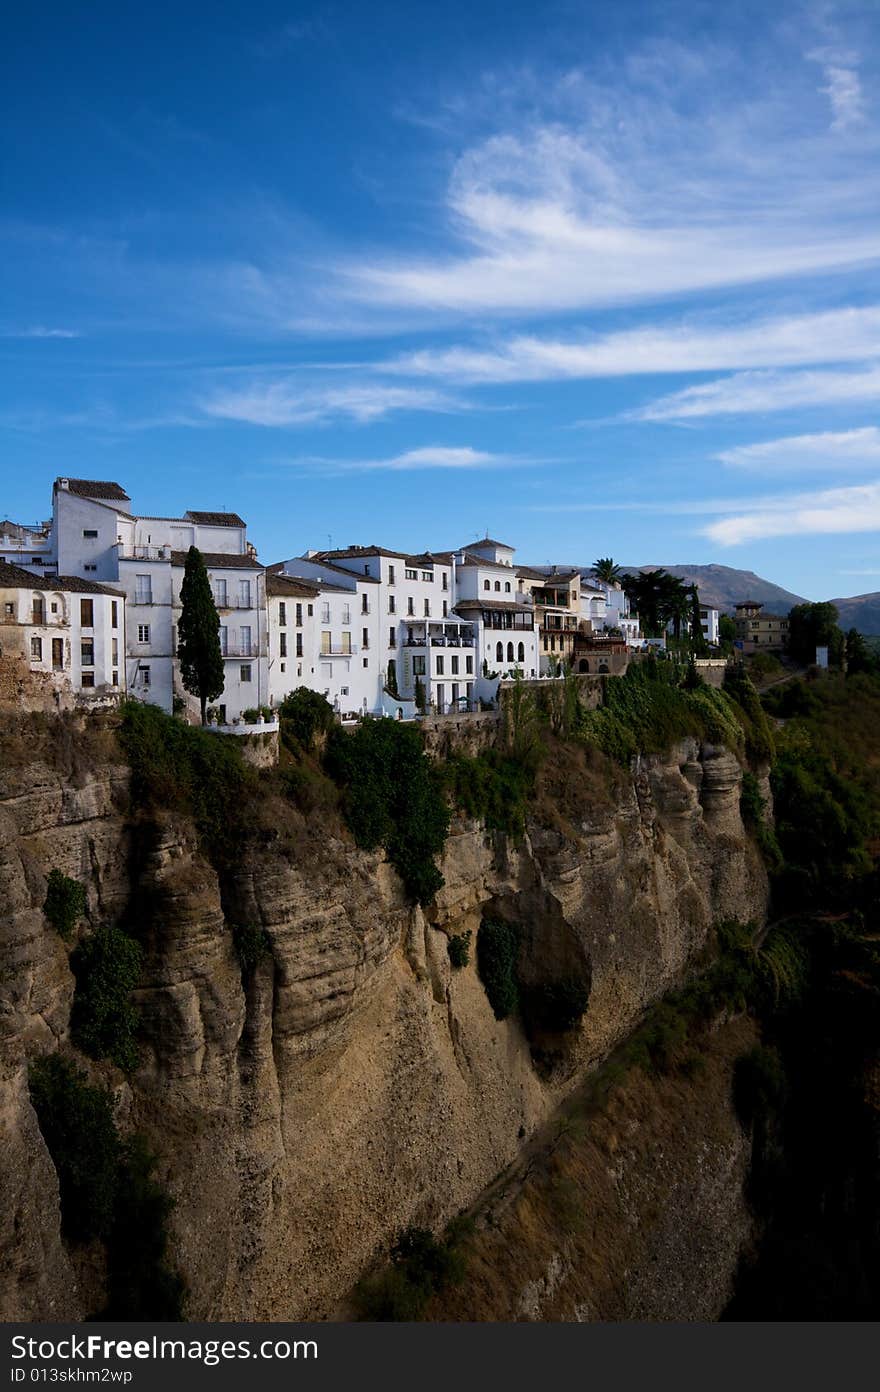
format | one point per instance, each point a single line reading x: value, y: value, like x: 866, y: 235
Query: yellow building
x: 757, y: 631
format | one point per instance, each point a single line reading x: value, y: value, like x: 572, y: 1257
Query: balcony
x: 248, y: 651
x: 143, y: 553
x: 222, y: 604
x: 336, y: 650
x: 143, y: 597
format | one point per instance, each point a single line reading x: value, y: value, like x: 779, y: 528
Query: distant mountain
x: 860, y: 611
x: 721, y: 587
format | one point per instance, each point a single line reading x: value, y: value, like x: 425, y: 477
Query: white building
x: 68, y: 633
x: 27, y: 546
x: 96, y: 536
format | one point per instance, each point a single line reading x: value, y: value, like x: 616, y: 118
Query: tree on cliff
x: 198, y: 634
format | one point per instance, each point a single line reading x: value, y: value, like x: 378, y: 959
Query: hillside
x: 723, y: 586
x: 861, y: 612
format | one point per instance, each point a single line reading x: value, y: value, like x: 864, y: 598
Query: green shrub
x: 648, y: 710
x: 307, y: 787
x: 497, y: 947
x: 492, y: 787
x: 177, y: 766
x: 759, y: 744
x: 252, y: 944
x: 392, y: 797
x: 250, y: 716
x: 107, y: 1191
x: 103, y: 1021
x: 458, y: 948
x: 420, y: 1267
x: 65, y: 902
x: 77, y: 1124
x: 305, y: 714
x: 751, y: 803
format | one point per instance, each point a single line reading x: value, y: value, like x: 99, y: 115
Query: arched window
x: 507, y: 587
x: 510, y: 652
x: 498, y: 584
x: 486, y: 585
x: 499, y: 652
x: 583, y: 665
x: 521, y: 653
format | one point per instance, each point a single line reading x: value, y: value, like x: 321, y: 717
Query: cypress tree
x: 198, y: 634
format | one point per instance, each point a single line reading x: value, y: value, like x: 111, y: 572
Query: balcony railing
x: 237, y: 650
x: 143, y: 597
x: 143, y: 553
x: 234, y: 603
x: 335, y: 650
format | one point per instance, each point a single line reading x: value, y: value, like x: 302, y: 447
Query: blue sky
x: 597, y: 279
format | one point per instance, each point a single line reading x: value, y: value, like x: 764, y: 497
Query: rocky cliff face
x: 355, y: 1083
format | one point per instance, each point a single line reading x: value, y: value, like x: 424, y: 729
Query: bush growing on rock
x: 103, y: 1021
x: 497, y: 946
x: 65, y: 902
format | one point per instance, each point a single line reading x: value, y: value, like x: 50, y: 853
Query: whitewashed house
x: 96, y: 536
x: 66, y: 632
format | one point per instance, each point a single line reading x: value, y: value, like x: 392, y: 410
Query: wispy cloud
x: 39, y: 331
x: 838, y: 335
x: 759, y: 392
x: 833, y: 511
x: 684, y: 172
x: 286, y: 403
x: 843, y: 86
x: 845, y: 449
x: 454, y: 457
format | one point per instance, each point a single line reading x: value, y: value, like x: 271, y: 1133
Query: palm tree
x: 604, y: 569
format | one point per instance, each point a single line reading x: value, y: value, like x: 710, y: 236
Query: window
x: 346, y: 642
x: 521, y: 652
x: 499, y: 652
x: 445, y: 609
x: 418, y: 666
x: 366, y: 662
x: 365, y: 605
x: 427, y: 575
x: 486, y: 585
x: 454, y: 666
x: 114, y: 613
x: 90, y: 567
x: 391, y: 604
x: 299, y: 645
x: 498, y: 584
x: 282, y: 615
x: 244, y: 634
x: 366, y: 568
x: 220, y: 594
x: 283, y: 645
x: 365, y: 637
x: 244, y: 672
x: 325, y: 611
x: 244, y: 594
x: 507, y: 587
x: 510, y: 652
x: 87, y: 653
x: 224, y: 640
x: 58, y: 654
x: 410, y: 606
x: 88, y: 679
x: 9, y: 610
x: 392, y: 637
x: 469, y: 666
x: 114, y: 652
x: 346, y: 613
x: 37, y: 649
x: 439, y: 666
x: 427, y: 608
x: 410, y: 575
x: 310, y: 609
x: 299, y: 615
x: 391, y: 575
x: 86, y: 613
x: 445, y: 581
x: 144, y: 589
x: 343, y: 690
x: 89, y: 533
x: 143, y: 633
x: 55, y: 610
x: 325, y: 642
